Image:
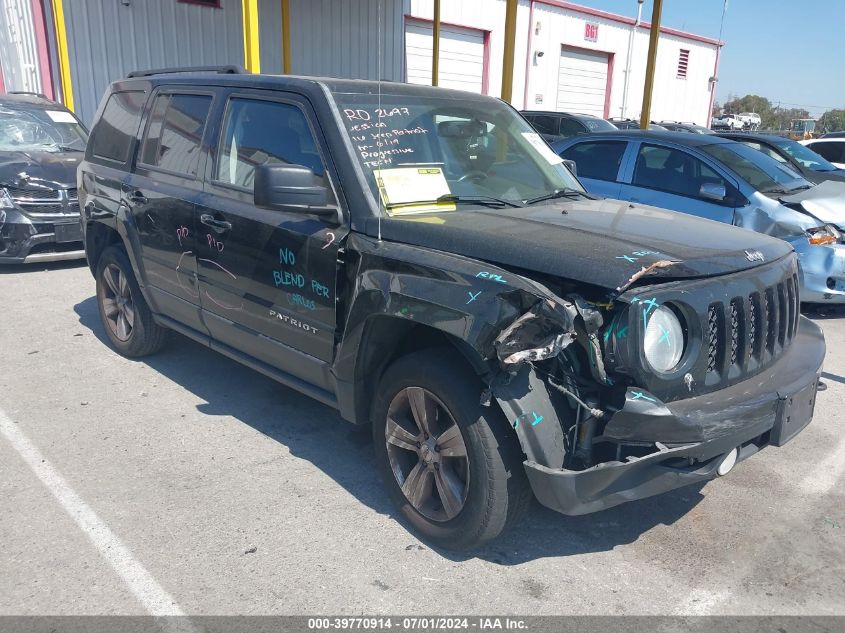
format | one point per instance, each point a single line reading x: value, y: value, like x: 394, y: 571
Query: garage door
x: 461, y: 56
x: 582, y: 82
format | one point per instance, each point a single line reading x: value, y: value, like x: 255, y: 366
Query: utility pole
x: 654, y: 37
x: 510, y: 46
x: 435, y: 52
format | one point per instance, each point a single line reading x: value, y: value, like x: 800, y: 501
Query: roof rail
x: 231, y: 69
x: 26, y: 92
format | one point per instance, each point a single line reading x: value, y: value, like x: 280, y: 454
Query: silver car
x: 723, y: 180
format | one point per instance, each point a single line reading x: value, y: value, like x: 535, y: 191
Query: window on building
x: 683, y: 63
x: 673, y: 171
x: 204, y: 3
x: 113, y: 135
x: 264, y: 133
x: 174, y: 134
x: 598, y: 159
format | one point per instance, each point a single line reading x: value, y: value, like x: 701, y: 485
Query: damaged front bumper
x: 768, y: 408
x: 822, y: 271
x: 25, y: 240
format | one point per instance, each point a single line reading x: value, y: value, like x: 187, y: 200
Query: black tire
x: 118, y: 293
x: 496, y: 490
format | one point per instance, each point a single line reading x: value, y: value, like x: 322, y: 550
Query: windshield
x: 39, y: 130
x: 762, y: 172
x: 805, y: 156
x: 430, y: 148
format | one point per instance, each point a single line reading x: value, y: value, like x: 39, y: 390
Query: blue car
x: 719, y: 179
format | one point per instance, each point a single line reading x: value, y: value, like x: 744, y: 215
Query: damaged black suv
x: 420, y: 260
x: 41, y: 144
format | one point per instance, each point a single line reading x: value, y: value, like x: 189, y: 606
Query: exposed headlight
x: 827, y: 234
x: 664, y: 340
x: 6, y: 201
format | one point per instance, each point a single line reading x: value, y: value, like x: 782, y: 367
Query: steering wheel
x: 475, y: 174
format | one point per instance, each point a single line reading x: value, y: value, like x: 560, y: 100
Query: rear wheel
x: 451, y: 465
x: 125, y: 315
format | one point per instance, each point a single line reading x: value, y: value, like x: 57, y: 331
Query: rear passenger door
x: 672, y: 178
x: 161, y: 196
x: 268, y: 278
x: 599, y: 164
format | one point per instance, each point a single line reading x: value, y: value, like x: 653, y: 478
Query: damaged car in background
x: 41, y: 144
x: 420, y: 260
x: 728, y: 181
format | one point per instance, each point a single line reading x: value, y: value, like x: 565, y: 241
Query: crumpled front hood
x: 600, y: 242
x: 54, y: 169
x: 825, y: 202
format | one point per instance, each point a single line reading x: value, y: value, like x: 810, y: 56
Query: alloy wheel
x: 427, y: 454
x: 118, y: 306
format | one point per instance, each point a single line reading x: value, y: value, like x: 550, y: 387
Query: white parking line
x: 142, y: 585
x: 825, y: 475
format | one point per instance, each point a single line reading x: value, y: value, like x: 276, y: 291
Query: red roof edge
x: 627, y: 20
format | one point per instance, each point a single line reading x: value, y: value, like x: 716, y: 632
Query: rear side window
x: 174, y: 133
x: 113, y: 135
x: 599, y: 160
x: 569, y: 127
x: 257, y: 132
x: 544, y: 124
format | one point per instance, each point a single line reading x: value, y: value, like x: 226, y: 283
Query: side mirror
x: 295, y: 189
x: 712, y: 191
x: 571, y: 166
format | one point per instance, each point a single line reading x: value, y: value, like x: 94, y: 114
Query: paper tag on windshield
x: 60, y: 116
x: 541, y: 146
x: 407, y: 190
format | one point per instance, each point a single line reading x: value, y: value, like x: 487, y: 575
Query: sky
x: 789, y: 51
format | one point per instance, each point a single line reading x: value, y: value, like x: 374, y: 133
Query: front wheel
x: 451, y: 465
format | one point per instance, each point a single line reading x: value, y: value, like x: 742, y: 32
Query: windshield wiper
x: 487, y: 201
x: 566, y: 192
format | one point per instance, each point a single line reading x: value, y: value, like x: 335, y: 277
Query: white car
x: 750, y: 120
x: 728, y: 122
x: 833, y: 149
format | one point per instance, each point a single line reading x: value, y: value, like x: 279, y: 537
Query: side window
x: 768, y: 151
x: 113, y: 135
x: 544, y: 124
x: 600, y: 160
x: 174, y: 133
x: 831, y: 151
x: 262, y: 133
x: 570, y: 127
x: 673, y: 171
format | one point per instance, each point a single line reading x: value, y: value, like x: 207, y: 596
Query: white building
x: 568, y: 57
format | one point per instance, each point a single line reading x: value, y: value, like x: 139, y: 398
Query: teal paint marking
x: 621, y: 332
x: 639, y: 395
x: 651, y: 303
x: 537, y: 419
x: 627, y: 258
x: 665, y: 335
x: 491, y: 276
x: 473, y: 297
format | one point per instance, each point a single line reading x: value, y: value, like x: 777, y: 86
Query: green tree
x: 831, y: 121
x: 748, y: 103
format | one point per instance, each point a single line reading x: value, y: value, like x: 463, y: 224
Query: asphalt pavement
x: 185, y: 483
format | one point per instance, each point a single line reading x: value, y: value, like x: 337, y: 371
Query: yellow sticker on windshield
x: 407, y: 190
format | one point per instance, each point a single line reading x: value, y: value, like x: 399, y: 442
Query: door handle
x: 217, y: 225
x: 136, y: 197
